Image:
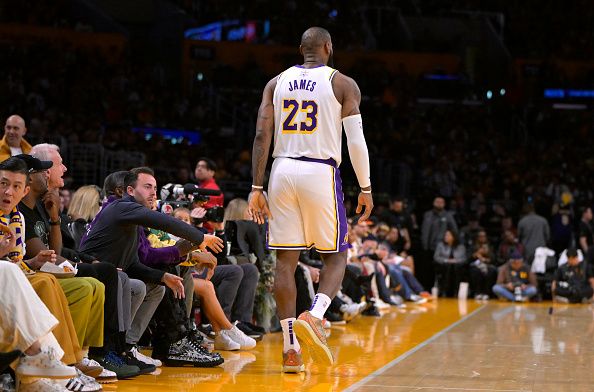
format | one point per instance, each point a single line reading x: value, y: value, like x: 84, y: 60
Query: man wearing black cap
x: 574, y: 280
x: 515, y: 282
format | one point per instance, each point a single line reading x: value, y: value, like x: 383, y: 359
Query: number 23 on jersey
x: 300, y: 117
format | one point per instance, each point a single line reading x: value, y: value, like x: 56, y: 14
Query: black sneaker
x: 207, y: 330
x: 246, y: 329
x: 371, y: 310
x: 334, y: 317
x: 189, y: 352
x: 143, y: 367
x: 256, y: 328
x: 116, y: 364
x: 196, y: 341
x: 7, y: 358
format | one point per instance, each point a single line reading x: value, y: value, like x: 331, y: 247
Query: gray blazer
x: 443, y: 252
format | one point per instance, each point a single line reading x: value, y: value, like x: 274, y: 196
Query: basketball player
x: 305, y: 108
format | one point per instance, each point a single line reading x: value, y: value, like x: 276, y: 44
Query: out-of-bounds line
x: 410, y: 352
x: 445, y: 388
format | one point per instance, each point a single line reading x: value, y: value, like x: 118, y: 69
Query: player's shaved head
x: 313, y: 38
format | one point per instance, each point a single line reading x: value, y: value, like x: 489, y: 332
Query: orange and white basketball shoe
x: 293, y: 362
x: 310, y: 331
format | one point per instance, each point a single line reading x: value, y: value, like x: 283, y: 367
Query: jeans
x: 397, y: 277
x: 407, y: 281
x: 502, y: 291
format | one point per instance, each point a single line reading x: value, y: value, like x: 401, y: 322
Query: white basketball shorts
x: 307, y: 206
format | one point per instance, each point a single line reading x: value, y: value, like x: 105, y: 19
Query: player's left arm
x: 349, y: 95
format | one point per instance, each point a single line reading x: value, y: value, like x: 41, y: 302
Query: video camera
x: 176, y: 196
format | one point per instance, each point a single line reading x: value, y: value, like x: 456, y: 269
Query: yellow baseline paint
x: 360, y: 347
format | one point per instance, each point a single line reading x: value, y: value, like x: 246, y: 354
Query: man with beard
x: 305, y: 108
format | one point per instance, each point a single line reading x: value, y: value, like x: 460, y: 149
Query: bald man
x: 305, y: 109
x: 13, y: 143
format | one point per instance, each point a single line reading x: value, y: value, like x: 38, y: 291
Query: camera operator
x: 205, y: 172
x: 574, y: 280
x: 515, y: 282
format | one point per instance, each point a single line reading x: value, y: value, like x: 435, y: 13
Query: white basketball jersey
x: 307, y: 115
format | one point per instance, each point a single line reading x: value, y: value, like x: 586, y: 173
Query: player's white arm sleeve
x: 353, y: 127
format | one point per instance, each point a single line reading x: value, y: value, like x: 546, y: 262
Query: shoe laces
x: 195, y: 341
x: 51, y: 353
x: 90, y: 362
x: 115, y: 359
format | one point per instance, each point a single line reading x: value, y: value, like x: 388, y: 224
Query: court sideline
x: 443, y: 346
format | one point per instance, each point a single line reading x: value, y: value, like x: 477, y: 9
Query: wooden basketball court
x: 441, y: 346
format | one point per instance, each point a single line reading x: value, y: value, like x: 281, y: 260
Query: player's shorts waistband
x: 329, y: 161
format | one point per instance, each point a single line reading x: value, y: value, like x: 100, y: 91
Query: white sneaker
x: 349, y: 312
x: 417, y: 299
x: 381, y: 305
x: 44, y: 365
x: 89, y: 367
x: 40, y: 385
x: 106, y: 377
x: 237, y: 335
x: 82, y: 383
x: 326, y: 324
x: 143, y: 358
x: 561, y: 299
x: 224, y: 342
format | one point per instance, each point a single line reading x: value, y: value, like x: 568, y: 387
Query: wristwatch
x: 55, y: 223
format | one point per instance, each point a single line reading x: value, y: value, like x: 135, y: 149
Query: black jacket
x: 113, y: 236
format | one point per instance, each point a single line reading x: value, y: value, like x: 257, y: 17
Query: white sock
x: 289, y: 339
x: 320, y: 304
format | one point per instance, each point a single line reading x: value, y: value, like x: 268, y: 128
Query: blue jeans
x: 502, y: 291
x: 397, y: 276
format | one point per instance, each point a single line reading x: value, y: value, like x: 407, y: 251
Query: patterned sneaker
x: 89, y: 367
x: 44, y: 365
x: 143, y: 358
x: 106, y: 377
x: 189, y: 352
x: 116, y: 364
x: 310, y: 331
x: 196, y: 339
x: 293, y: 362
x: 82, y: 383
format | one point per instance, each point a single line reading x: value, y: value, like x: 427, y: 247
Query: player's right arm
x: 348, y: 94
x: 258, y: 205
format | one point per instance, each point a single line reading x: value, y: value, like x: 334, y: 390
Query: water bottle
x: 518, y: 293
